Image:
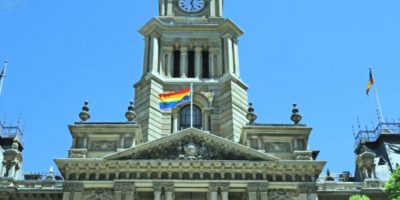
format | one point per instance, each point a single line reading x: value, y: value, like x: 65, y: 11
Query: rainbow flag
x: 171, y: 100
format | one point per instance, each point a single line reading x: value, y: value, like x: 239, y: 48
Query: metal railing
x: 372, y: 135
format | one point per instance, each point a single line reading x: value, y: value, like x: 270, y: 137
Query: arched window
x: 185, y: 117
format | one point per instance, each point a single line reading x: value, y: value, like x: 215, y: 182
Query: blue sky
x: 315, y: 53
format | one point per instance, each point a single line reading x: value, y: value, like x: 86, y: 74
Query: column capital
x: 198, y: 49
x: 168, y: 49
x: 257, y: 187
x: 155, y: 35
x: 168, y: 186
x: 227, y: 35
x: 124, y: 186
x: 184, y: 49
x: 214, y: 187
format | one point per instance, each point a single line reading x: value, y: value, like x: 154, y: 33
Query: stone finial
x: 296, y: 117
x: 130, y: 114
x: 251, y: 116
x: 328, y: 176
x: 85, y: 115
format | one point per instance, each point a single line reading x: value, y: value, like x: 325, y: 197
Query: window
x: 185, y: 117
x: 206, y: 68
x: 177, y: 64
x: 191, y: 64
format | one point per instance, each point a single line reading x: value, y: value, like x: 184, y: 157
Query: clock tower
x: 191, y: 42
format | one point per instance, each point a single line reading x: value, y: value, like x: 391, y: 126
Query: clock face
x: 191, y: 6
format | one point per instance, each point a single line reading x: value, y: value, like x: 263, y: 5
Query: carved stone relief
x: 281, y: 194
x: 190, y: 148
x: 98, y: 194
x: 277, y: 147
x: 103, y: 146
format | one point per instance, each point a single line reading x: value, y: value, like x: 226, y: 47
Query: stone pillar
x: 146, y: 57
x: 213, y: 8
x: 169, y: 7
x: 184, y: 62
x: 198, y: 62
x: 124, y: 189
x: 154, y: 59
x: 258, y: 191
x: 169, y: 191
x: 66, y: 196
x: 220, y: 8
x: 236, y: 57
x: 73, y: 190
x: 228, y: 53
x: 162, y: 8
x: 224, y: 187
x: 308, y: 191
x: 157, y: 188
x: 168, y: 68
x: 163, y: 63
x: 175, y: 121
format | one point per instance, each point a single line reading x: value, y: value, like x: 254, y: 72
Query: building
x: 223, y: 154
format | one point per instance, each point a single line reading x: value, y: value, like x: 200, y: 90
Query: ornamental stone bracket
x: 219, y: 187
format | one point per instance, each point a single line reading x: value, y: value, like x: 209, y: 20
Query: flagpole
x: 382, y: 119
x: 191, y: 105
x: 2, y: 75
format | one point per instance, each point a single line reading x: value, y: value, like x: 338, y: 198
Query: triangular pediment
x: 191, y: 144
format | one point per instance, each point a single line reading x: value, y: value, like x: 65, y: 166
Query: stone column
x: 168, y: 51
x: 169, y: 191
x: 228, y: 53
x: 236, y: 57
x: 146, y: 56
x: 154, y: 59
x: 157, y: 188
x: 213, y: 8
x: 258, y: 191
x: 66, y: 196
x: 224, y: 187
x: 184, y: 62
x: 213, y: 189
x: 124, y: 188
x: 73, y: 190
x: 163, y: 63
x: 308, y: 192
x: 175, y: 121
x: 162, y: 8
x: 198, y: 61
x: 169, y: 7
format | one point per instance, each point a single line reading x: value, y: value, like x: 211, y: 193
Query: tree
x: 359, y: 197
x: 392, y: 187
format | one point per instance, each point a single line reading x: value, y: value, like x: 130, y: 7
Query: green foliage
x: 359, y: 197
x: 392, y: 187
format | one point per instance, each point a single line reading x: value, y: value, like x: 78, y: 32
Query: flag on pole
x: 370, y: 81
x: 171, y: 100
x: 3, y: 75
